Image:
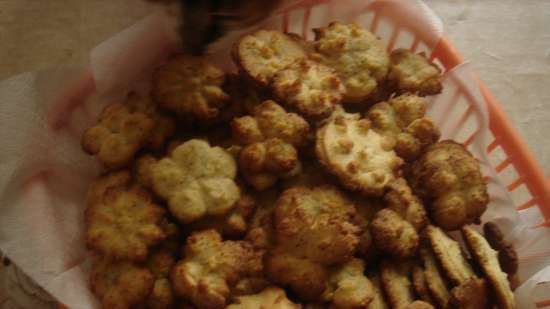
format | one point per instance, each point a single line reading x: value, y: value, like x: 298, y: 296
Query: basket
x: 470, y: 113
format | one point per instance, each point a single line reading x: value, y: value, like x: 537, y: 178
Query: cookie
x: 449, y: 255
x: 395, y: 278
x: 487, y: 259
x: 436, y: 282
x: 362, y: 159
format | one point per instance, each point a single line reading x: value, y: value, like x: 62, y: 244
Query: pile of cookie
x: 311, y: 179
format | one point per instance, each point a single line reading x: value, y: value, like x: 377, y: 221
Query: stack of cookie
x: 311, y: 178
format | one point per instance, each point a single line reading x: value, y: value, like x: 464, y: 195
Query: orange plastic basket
x: 514, y: 157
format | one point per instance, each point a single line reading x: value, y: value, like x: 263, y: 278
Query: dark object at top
x: 203, y: 22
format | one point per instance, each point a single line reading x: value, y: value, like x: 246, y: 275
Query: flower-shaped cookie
x: 270, y: 135
x: 394, y: 235
x: 211, y: 267
x: 263, y: 163
x: 190, y: 86
x: 358, y: 57
x: 348, y: 287
x: 316, y: 223
x: 124, y: 224
x: 410, y: 72
x: 196, y: 180
x: 120, y: 284
x: 270, y: 120
x: 306, y: 278
x: 313, y: 230
x: 360, y: 157
x: 449, y: 180
x: 404, y: 119
x: 98, y: 188
x: 312, y: 88
x: 261, y: 55
x: 122, y: 129
x: 399, y: 198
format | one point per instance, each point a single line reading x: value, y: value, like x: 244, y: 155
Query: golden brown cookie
x: 348, y: 287
x: 262, y: 54
x: 271, y: 297
x: 449, y: 180
x: 120, y: 284
x: 304, y: 277
x: 420, y: 284
x: 196, y: 180
x: 487, y: 258
x: 263, y: 163
x: 190, y: 86
x: 379, y: 300
x: 270, y: 120
x: 100, y: 186
x: 395, y: 278
x: 362, y: 159
x: 399, y: 198
x: 270, y: 136
x: 124, y: 224
x: 316, y: 223
x: 313, y: 230
x: 393, y: 235
x: 313, y: 89
x: 404, y: 119
x: 356, y: 54
x: 410, y: 72
x: 507, y: 255
x: 450, y: 256
x: 434, y: 278
x: 211, y: 267
x: 122, y: 129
